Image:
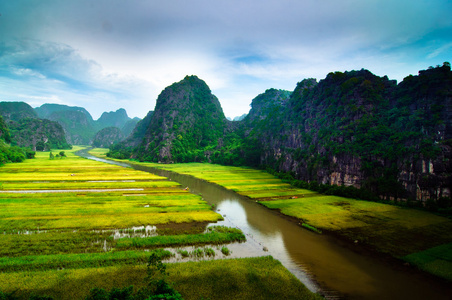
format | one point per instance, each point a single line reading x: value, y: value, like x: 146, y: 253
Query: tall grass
x: 436, y: 260
x: 216, y: 235
x: 249, y: 278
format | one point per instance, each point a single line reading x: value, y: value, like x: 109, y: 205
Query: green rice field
x: 70, y: 224
x: 389, y: 229
x: 246, y: 278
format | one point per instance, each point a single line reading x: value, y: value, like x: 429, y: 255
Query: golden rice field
x: 60, y: 220
x: 241, y: 279
x: 128, y: 197
x: 390, y: 229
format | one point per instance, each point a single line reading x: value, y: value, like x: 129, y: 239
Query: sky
x: 109, y: 54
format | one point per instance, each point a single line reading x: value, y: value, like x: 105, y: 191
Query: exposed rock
x: 107, y: 137
x: 79, y: 128
x: 352, y: 129
x: 130, y: 126
x: 27, y: 130
x: 117, y: 119
x: 16, y: 111
x: 187, y: 117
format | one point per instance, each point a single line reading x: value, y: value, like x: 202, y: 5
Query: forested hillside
x: 78, y: 124
x: 358, y: 129
x: 27, y: 130
x: 106, y: 137
x: 351, y: 128
x: 187, y: 121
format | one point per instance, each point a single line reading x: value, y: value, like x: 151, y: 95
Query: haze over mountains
x: 78, y: 124
x: 351, y: 128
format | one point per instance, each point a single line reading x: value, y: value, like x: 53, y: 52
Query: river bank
x: 337, y: 265
x: 65, y: 229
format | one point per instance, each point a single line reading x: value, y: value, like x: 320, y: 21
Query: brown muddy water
x: 323, y: 263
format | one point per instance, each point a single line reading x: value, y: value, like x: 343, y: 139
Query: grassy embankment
x: 62, y: 245
x: 419, y: 237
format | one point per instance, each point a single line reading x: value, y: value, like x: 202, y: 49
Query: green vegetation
x: 248, y: 278
x: 395, y: 230
x: 13, y: 153
x: 183, y: 253
x: 157, y: 286
x: 107, y: 136
x: 61, y: 244
x: 215, y: 235
x: 195, y: 128
x: 225, y: 250
x: 39, y: 134
x: 351, y: 126
x: 310, y: 227
x: 436, y: 260
x: 10, y: 153
x: 209, y: 252
x: 76, y: 260
x: 251, y: 278
x: 151, y: 200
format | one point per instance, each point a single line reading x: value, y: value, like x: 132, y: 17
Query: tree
x: 40, y: 146
x: 51, y: 156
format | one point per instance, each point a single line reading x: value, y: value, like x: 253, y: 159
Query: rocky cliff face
x: 16, y: 111
x: 27, y: 130
x: 117, y: 119
x: 78, y: 128
x: 355, y: 128
x: 77, y: 122
x: 139, y: 131
x: 45, y: 110
x: 107, y: 137
x: 427, y: 99
x: 187, y: 117
x: 129, y: 126
x: 38, y: 134
x: 352, y: 128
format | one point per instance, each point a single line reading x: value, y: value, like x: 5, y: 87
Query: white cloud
x: 439, y: 50
x: 124, y: 53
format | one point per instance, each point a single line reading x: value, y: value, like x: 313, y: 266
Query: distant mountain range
x: 78, y: 124
x: 58, y: 126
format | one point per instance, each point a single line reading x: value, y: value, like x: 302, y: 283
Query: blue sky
x: 104, y: 55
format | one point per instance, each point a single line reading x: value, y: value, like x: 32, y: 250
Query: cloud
x: 125, y: 52
x: 42, y: 72
x: 440, y: 50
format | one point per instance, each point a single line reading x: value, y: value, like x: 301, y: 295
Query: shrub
x: 183, y: 253
x: 209, y: 252
x: 197, y: 253
x: 225, y: 251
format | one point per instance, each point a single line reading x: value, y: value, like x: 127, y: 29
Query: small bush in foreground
x: 157, y: 285
x: 225, y: 251
x: 209, y: 252
x: 197, y: 253
x: 183, y: 253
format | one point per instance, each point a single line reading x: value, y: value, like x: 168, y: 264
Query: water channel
x: 323, y: 263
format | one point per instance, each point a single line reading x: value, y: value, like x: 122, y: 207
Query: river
x: 323, y: 263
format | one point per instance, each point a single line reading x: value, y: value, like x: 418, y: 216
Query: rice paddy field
x: 418, y: 237
x: 70, y: 224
